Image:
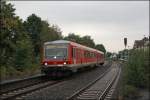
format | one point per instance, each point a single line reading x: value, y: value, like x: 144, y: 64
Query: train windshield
x: 55, y: 52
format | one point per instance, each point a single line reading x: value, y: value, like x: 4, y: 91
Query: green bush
x: 136, y: 69
x: 8, y: 72
x: 2, y: 72
x: 130, y: 92
x: 136, y: 73
x: 23, y: 55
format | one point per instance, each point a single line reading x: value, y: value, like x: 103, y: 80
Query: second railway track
x: 99, y: 88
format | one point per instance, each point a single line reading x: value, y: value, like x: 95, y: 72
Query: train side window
x: 88, y: 54
x: 94, y: 55
x: 84, y: 54
x: 74, y: 52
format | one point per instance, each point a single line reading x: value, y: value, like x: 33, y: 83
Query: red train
x: 65, y: 56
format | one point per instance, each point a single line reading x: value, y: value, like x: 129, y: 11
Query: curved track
x: 99, y: 88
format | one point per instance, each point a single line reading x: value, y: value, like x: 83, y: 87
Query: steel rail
x: 87, y: 86
x: 100, y: 96
x: 20, y: 83
x: 106, y: 91
x: 24, y: 91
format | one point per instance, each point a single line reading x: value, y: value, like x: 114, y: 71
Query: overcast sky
x: 107, y: 22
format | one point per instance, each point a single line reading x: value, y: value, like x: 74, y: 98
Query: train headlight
x: 45, y: 63
x: 64, y: 63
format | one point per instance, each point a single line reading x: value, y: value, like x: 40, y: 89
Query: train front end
x: 55, y: 58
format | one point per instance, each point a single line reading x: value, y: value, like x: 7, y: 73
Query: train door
x: 77, y: 56
x: 81, y: 56
x: 74, y: 55
x: 97, y: 56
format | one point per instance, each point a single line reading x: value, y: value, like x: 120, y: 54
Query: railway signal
x: 125, y: 42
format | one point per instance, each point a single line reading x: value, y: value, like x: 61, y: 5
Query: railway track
x: 101, y: 88
x: 14, y: 92
x: 27, y: 86
x: 20, y: 83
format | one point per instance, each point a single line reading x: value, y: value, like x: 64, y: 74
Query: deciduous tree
x: 100, y: 47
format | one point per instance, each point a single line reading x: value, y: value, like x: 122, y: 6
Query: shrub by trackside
x: 136, y: 73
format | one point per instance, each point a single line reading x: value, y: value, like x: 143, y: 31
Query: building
x: 144, y: 43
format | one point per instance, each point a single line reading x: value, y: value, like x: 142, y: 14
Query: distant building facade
x: 144, y: 43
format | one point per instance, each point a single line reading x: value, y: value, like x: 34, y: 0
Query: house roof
x: 140, y: 43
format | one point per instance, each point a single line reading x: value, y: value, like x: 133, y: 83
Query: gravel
x: 66, y: 88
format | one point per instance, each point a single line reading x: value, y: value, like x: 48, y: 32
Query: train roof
x: 57, y: 41
x: 73, y: 43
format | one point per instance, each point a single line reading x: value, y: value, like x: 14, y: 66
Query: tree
x: 108, y: 54
x: 72, y: 37
x: 23, y: 54
x: 87, y: 41
x: 40, y: 32
x: 11, y: 31
x: 55, y: 32
x: 100, y: 47
x: 33, y: 27
x: 19, y: 40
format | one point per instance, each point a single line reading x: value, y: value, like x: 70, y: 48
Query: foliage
x: 24, y: 54
x: 130, y: 92
x: 55, y: 32
x: 108, y: 54
x: 100, y: 47
x: 73, y: 37
x: 40, y: 32
x: 85, y: 40
x: 11, y: 29
x: 21, y: 42
x: 136, y: 73
x: 137, y: 68
x: 33, y: 27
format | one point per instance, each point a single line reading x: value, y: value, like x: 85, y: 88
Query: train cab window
x: 55, y: 52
